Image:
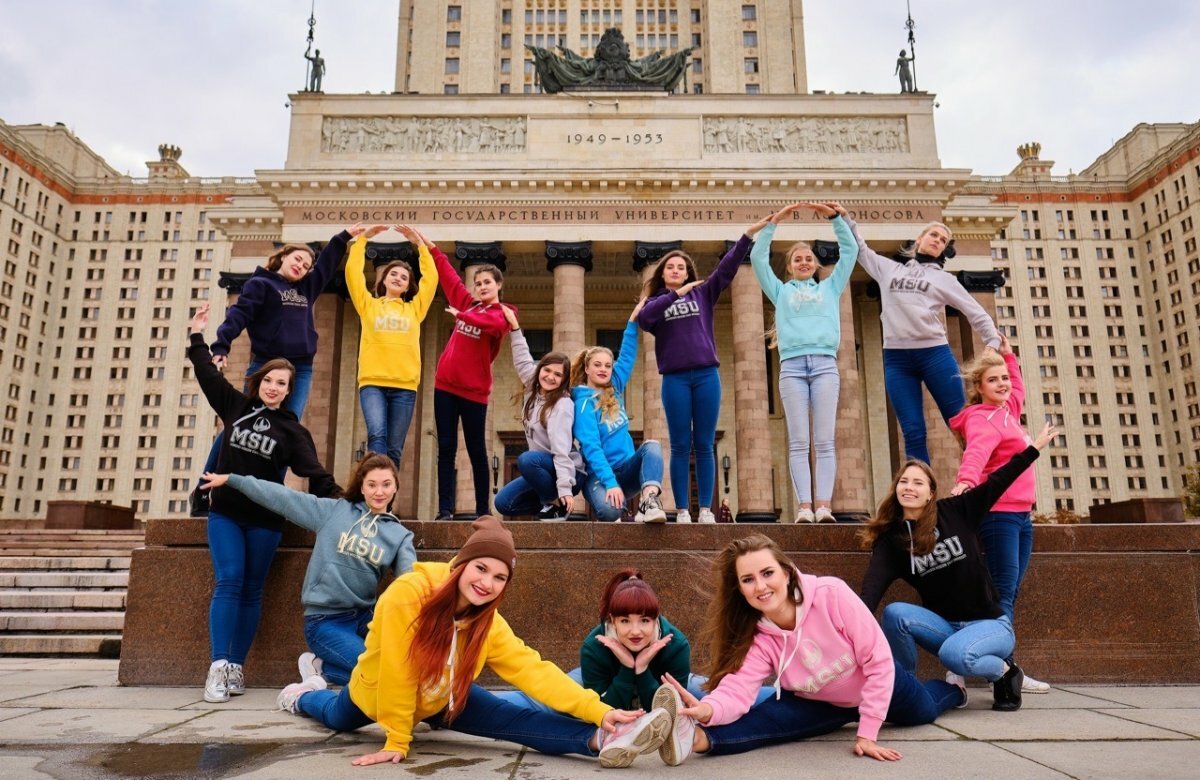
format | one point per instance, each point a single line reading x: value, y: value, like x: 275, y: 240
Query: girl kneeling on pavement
x: 830, y: 661
x: 434, y: 630
x: 932, y: 544
x: 358, y: 541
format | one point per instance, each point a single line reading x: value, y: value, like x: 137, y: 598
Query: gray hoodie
x: 913, y: 296
x: 354, y: 545
x: 556, y: 435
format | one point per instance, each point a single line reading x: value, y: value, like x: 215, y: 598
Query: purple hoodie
x: 683, y: 327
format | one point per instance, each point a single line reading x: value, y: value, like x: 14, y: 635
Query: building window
x: 750, y: 65
x: 451, y: 65
x: 749, y: 13
x: 749, y: 39
x: 454, y: 13
x: 453, y: 39
x: 450, y: 89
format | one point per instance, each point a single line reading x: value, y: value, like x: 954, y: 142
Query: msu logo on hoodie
x: 253, y: 439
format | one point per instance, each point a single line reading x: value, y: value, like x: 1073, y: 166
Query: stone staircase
x: 62, y: 592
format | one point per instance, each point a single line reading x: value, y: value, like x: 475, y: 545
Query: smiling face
x: 933, y: 241
x: 487, y: 289
x: 395, y: 283
x: 764, y: 585
x: 995, y: 386
x: 482, y: 582
x: 802, y: 263
x: 913, y: 490
x: 295, y: 265
x: 274, y: 387
x: 598, y: 368
x: 378, y: 489
x: 635, y: 632
x: 550, y: 377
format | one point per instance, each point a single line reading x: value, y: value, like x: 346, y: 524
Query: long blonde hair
x: 606, y: 397
x: 972, y: 374
x: 911, y: 251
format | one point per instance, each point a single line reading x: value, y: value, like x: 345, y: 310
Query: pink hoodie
x: 993, y: 435
x: 843, y: 658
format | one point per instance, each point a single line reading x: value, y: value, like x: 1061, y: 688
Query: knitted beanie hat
x: 489, y: 540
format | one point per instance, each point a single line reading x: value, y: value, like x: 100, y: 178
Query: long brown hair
x: 972, y: 374
x: 373, y: 461
x: 890, y: 512
x: 606, y: 397
x: 255, y: 380
x: 655, y: 282
x: 729, y: 623
x: 433, y: 631
x: 534, y: 388
x: 381, y: 274
x: 275, y: 260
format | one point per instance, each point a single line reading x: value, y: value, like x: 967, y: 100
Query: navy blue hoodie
x: 277, y: 313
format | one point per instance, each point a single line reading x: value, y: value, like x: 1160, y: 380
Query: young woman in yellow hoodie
x: 389, y: 351
x: 434, y: 630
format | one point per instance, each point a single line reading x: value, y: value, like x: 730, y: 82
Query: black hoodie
x: 953, y: 579
x: 258, y: 442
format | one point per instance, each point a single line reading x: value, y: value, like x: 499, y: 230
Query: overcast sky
x: 213, y: 76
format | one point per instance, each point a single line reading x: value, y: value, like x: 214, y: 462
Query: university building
x: 575, y: 196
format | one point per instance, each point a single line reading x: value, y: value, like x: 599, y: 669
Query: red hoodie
x: 465, y: 367
x: 993, y: 434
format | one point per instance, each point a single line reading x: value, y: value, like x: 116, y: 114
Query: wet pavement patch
x: 140, y: 759
x: 425, y: 770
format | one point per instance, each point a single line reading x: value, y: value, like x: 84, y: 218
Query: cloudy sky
x: 213, y: 76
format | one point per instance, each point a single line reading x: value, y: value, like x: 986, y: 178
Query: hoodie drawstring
x: 912, y: 560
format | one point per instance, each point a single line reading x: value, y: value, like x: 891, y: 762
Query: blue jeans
x: 643, y: 469
x: 791, y: 717
x: 903, y: 372
x: 483, y: 715
x: 388, y: 411
x: 296, y: 401
x: 338, y: 641
x: 1007, y: 542
x: 809, y: 386
x: 975, y: 648
x: 535, y: 488
x: 692, y: 402
x: 576, y: 674
x: 241, y: 556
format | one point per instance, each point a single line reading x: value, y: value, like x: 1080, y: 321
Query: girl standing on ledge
x: 434, y: 630
x: 808, y: 332
x: 914, y: 293
x: 389, y: 347
x: 678, y: 310
x: 358, y: 541
x: 932, y: 544
x: 551, y: 469
x: 463, y: 380
x: 602, y: 429
x: 264, y: 440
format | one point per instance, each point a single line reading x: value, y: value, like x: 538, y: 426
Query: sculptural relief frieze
x: 808, y: 135
x: 423, y: 135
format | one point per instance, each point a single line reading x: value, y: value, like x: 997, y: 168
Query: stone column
x: 569, y: 262
x: 752, y: 437
x: 654, y: 421
x: 470, y: 256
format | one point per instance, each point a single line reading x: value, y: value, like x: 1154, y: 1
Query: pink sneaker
x: 678, y: 745
x: 630, y: 740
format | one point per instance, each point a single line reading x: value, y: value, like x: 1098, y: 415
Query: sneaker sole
x: 237, y: 691
x: 214, y: 700
x: 655, y: 518
x: 650, y: 739
x: 668, y: 751
x: 307, y: 664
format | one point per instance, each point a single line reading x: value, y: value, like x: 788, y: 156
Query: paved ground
x: 67, y: 718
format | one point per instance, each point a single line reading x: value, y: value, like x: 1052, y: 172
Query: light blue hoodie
x: 354, y: 546
x: 606, y: 444
x: 807, y: 313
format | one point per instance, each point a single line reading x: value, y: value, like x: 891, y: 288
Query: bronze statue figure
x: 610, y: 69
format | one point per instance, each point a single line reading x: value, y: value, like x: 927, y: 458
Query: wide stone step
x: 55, y: 563
x: 107, y: 551
x: 64, y: 580
x: 45, y: 599
x: 73, y: 622
x: 108, y: 645
x: 78, y: 535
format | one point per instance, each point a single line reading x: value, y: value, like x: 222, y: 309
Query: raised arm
x: 356, y: 281
x: 304, y: 463
x: 451, y: 283
x: 239, y: 315
x: 847, y: 254
x: 523, y: 360
x: 872, y: 262
x: 221, y: 395
x: 957, y: 296
x: 623, y: 369
x: 760, y: 262
x: 427, y: 287
x: 303, y: 509
x: 727, y: 268
x: 330, y: 258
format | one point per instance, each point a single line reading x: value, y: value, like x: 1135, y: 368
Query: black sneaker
x: 1006, y: 692
x: 444, y: 515
x: 554, y: 513
x: 198, y: 503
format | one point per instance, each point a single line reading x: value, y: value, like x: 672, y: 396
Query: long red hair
x: 434, y: 628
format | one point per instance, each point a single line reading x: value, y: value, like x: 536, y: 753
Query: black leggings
x: 447, y: 409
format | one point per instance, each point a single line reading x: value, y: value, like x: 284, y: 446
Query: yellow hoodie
x: 384, y: 683
x: 389, y: 350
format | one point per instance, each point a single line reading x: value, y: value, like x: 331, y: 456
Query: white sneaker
x: 289, y: 696
x: 216, y: 688
x: 957, y: 679
x: 235, y: 680
x: 683, y: 516
x: 678, y: 745
x: 805, y: 516
x: 706, y: 516
x: 310, y: 666
x: 650, y: 511
x: 630, y: 740
x: 824, y: 515
x: 1030, y: 685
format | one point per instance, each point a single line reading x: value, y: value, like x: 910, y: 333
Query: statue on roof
x: 609, y: 69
